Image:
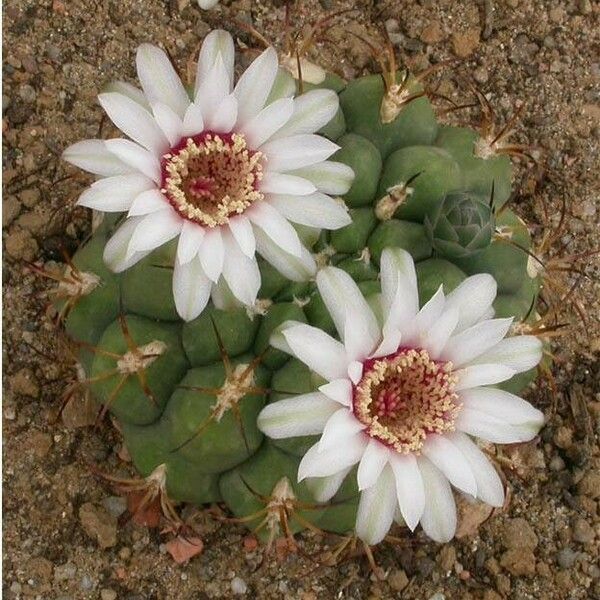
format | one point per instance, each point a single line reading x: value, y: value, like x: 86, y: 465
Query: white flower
x: 403, y: 398
x: 226, y: 171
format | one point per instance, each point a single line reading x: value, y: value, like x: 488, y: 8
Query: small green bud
x: 462, y: 226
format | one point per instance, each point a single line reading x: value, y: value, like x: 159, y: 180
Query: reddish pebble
x: 250, y: 543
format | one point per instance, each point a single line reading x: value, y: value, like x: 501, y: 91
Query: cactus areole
x: 300, y: 305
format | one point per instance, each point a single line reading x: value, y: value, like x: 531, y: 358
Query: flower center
x: 405, y: 396
x: 210, y: 177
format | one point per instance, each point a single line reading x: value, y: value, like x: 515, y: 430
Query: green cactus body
x: 187, y: 395
x: 361, y: 103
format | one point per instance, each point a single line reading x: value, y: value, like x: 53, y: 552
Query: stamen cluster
x: 404, y: 397
x: 211, y: 177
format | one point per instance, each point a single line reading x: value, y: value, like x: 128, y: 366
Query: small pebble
x: 398, y: 580
x: 86, y: 583
x: 108, y: 594
x: 583, y: 531
x: 566, y: 558
x: 238, y: 586
x: 64, y: 572
x: 115, y: 505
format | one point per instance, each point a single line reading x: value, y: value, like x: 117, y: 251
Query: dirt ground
x: 61, y: 539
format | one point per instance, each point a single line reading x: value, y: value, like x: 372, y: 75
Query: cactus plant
x: 187, y: 373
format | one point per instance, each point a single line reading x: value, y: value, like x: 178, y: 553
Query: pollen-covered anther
x: 237, y: 385
x: 404, y: 397
x: 211, y: 177
x: 77, y: 283
x: 140, y: 359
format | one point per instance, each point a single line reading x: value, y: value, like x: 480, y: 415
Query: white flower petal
x: 502, y: 405
x: 217, y: 43
x: 240, y: 272
x: 371, y: 464
x: 311, y: 111
x: 435, y: 340
x: 323, y: 464
x: 94, y: 157
x: 359, y: 339
x: 136, y: 157
x: 283, y: 183
x: 451, y: 462
x: 267, y: 218
x: 242, y: 231
x: 190, y: 240
x: 127, y: 89
x: 300, y: 268
x: 439, y: 515
x: 409, y: 488
x: 329, y: 177
x: 315, y: 210
x: 489, y: 485
x: 297, y: 151
x: 389, y: 344
x: 318, y: 350
x: 115, y: 252
x: 341, y: 424
x: 155, y: 230
x: 191, y: 289
x: 159, y: 79
x: 520, y: 353
x: 339, y: 390
x: 300, y: 415
x: 254, y: 86
x: 148, y: 202
x: 277, y: 339
x: 475, y: 340
x: 269, y: 120
x: 349, y: 310
x: 134, y: 121
x: 483, y: 374
x: 472, y: 298
x: 355, y: 371
x: 193, y: 121
x: 400, y: 296
x: 493, y: 429
x: 398, y: 275
x: 213, y: 89
x: 169, y: 122
x: 114, y: 194
x: 430, y: 312
x: 324, y: 489
x: 376, y: 509
x: 225, y: 115
x: 212, y: 253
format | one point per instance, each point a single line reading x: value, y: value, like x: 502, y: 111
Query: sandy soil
x: 57, y: 516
